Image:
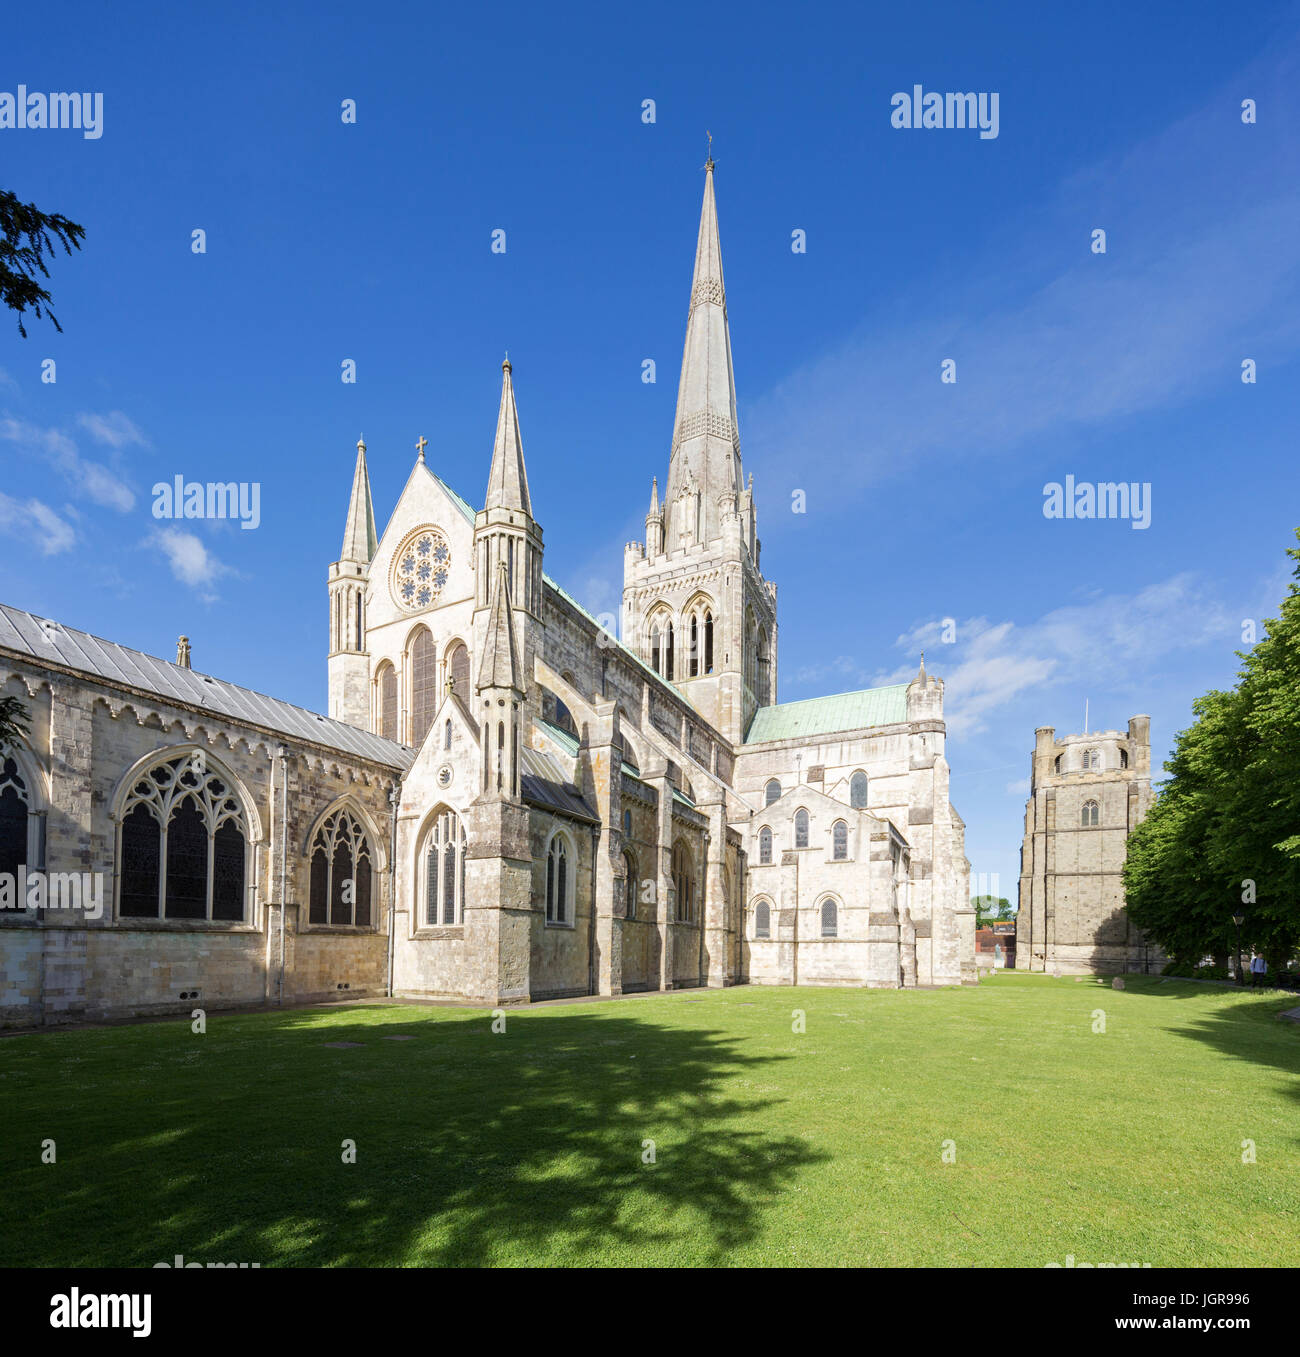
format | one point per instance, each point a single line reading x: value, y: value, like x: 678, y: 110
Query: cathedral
x: 507, y: 801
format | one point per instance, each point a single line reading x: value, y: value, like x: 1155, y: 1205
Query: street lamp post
x: 1238, y: 919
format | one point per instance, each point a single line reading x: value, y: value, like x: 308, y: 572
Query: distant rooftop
x: 829, y: 715
x: 43, y: 639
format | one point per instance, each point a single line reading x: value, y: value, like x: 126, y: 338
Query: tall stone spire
x: 359, y: 536
x: 706, y: 443
x: 508, y: 481
x: 500, y: 666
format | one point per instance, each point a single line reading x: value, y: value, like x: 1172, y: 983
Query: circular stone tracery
x: 420, y: 569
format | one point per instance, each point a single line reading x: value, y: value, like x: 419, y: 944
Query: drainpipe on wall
x: 394, y: 799
x: 591, y: 916
x: 267, y: 882
x: 282, y: 754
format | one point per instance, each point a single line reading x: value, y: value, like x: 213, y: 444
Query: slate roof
x: 42, y: 639
x: 829, y: 715
x: 543, y: 783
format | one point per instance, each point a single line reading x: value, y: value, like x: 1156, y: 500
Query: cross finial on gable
x: 421, y: 443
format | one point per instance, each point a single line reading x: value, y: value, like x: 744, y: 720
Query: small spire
x: 654, y: 499
x: 359, y: 537
x: 500, y: 667
x: 183, y: 651
x: 507, y: 486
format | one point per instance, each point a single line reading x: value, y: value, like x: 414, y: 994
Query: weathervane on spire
x: 708, y: 164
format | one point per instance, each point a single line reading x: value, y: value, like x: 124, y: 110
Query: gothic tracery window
x: 801, y: 828
x: 830, y: 919
x: 341, y: 873
x: 420, y: 569
x: 458, y: 670
x: 762, y: 920
x: 184, y: 851
x: 1091, y: 814
x: 764, y: 846
x: 14, y: 808
x: 1092, y: 760
x: 444, y: 872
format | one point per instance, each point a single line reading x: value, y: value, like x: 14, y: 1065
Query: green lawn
x: 771, y: 1147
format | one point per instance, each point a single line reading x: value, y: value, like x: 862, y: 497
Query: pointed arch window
x: 559, y: 880
x: 772, y: 792
x: 762, y: 920
x: 1091, y: 760
x: 668, y: 652
x: 446, y: 735
x: 656, y: 648
x: 762, y: 667
x: 1091, y: 815
x: 693, y: 660
x: 458, y: 670
x: 764, y: 847
x: 684, y: 882
x: 839, y: 841
x: 629, y: 886
x: 801, y: 828
x: 858, y: 790
x: 830, y: 919
x: 424, y: 684
x: 183, y: 844
x: 15, y: 806
x: 387, y: 693
x: 341, y: 873
x: 444, y: 871
x: 708, y: 643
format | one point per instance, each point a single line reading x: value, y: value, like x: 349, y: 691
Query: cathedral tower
x: 695, y: 605
x: 349, y: 662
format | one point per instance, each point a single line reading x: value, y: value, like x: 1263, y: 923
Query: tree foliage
x: 1224, y: 835
x: 27, y: 235
x: 13, y: 720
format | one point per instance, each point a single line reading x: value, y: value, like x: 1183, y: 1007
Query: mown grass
x: 770, y: 1146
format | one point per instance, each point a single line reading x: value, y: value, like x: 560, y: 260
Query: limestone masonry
x: 508, y: 802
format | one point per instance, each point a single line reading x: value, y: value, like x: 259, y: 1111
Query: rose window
x: 420, y: 569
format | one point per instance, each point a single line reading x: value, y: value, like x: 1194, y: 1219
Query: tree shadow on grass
x: 1244, y: 1025
x: 471, y: 1147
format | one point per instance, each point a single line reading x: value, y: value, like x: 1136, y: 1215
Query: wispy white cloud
x: 92, y: 480
x: 1106, y: 640
x: 191, y: 562
x: 114, y: 429
x: 1202, y: 269
x: 36, y: 523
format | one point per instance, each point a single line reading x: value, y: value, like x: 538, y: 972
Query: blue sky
x: 371, y: 241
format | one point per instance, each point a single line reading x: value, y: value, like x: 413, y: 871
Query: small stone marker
x: 1117, y: 983
x: 342, y: 1045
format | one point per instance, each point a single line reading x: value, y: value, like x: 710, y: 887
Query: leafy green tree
x: 13, y: 720
x: 1224, y: 835
x: 990, y: 909
x: 27, y: 235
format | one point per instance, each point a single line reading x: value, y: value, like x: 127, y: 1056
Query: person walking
x: 1258, y: 969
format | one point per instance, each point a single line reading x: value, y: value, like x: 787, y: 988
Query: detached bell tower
x: 696, y: 607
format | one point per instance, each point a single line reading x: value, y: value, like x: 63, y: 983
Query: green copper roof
x: 827, y: 715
